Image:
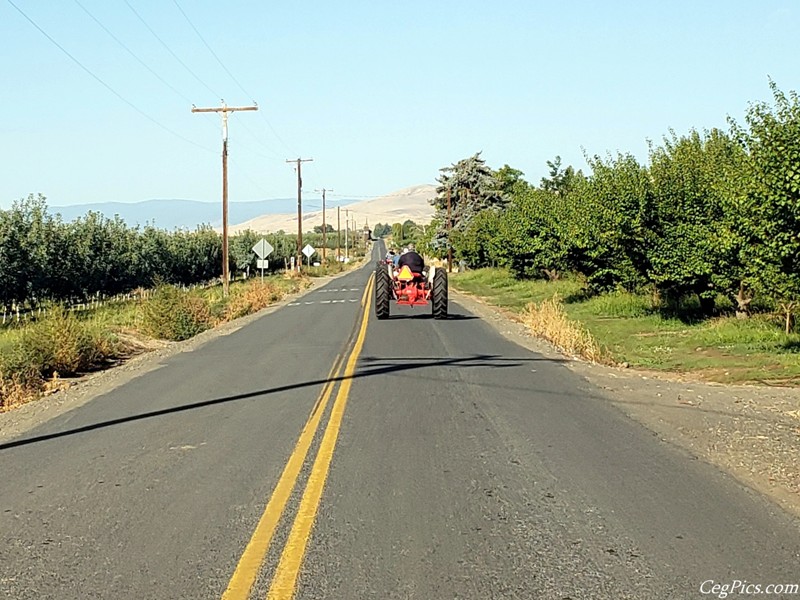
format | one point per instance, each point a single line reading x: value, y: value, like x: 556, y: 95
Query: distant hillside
x: 412, y: 203
x: 172, y: 214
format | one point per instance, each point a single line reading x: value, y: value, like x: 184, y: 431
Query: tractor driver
x: 412, y: 259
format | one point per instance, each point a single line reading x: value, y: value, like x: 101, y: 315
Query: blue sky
x: 380, y: 94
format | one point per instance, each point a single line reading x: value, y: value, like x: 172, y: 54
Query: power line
x: 132, y: 53
x: 348, y: 196
x: 249, y: 178
x: 170, y: 86
x: 165, y: 82
x: 161, y: 79
x: 214, y: 54
x: 175, y: 56
x: 103, y: 83
x: 236, y: 81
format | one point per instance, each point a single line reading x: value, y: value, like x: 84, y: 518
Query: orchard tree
x: 240, y: 251
x: 532, y: 242
x: 510, y: 183
x: 25, y: 231
x: 381, y: 230
x: 695, y: 248
x: 772, y: 195
x: 561, y: 180
x: 609, y: 230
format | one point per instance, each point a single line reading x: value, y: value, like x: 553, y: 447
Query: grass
x: 629, y: 328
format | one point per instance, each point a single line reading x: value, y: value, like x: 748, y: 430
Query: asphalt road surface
x: 320, y: 453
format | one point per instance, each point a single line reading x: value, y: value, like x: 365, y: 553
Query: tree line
x: 44, y: 259
x: 713, y: 215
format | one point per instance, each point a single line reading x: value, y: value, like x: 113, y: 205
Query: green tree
x: 561, y: 180
x: 532, y: 238
x: 772, y: 197
x: 240, y: 250
x: 472, y: 187
x: 692, y: 251
x: 609, y: 228
x: 25, y: 230
x: 381, y: 230
x: 510, y: 182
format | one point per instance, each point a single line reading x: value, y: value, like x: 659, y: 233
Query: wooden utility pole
x: 449, y: 228
x: 324, y: 226
x: 299, y: 161
x: 224, y: 109
x: 346, y: 230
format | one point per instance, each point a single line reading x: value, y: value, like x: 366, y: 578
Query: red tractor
x: 411, y: 289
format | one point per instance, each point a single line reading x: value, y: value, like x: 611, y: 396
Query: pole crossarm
x: 223, y: 108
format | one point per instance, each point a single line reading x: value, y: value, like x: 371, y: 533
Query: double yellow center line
x: 284, y: 581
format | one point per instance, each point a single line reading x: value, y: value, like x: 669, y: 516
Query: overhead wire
x: 103, y: 83
x: 233, y: 78
x: 132, y: 53
x: 137, y: 58
x: 214, y: 54
x: 168, y: 49
x: 190, y: 71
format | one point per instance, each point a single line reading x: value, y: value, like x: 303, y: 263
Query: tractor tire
x: 383, y: 292
x: 439, y: 294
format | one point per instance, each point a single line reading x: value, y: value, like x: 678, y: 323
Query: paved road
x: 320, y: 453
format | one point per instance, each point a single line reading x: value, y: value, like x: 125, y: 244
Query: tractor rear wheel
x: 439, y: 294
x: 383, y: 292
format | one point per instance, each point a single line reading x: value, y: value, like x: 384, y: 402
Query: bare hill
x: 412, y: 203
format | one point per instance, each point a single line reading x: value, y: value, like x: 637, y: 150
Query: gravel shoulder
x: 752, y: 432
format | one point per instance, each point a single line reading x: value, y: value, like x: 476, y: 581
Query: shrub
x: 59, y: 344
x: 20, y: 377
x: 250, y: 299
x: 172, y: 314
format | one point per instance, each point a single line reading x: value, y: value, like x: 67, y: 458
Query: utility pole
x: 299, y: 161
x: 449, y: 228
x: 224, y: 109
x: 324, y: 227
x: 338, y: 233
x: 346, y: 229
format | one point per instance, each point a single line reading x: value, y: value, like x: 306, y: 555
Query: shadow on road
x: 372, y: 366
x: 426, y: 315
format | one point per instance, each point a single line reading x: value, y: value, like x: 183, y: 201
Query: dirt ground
x: 752, y: 432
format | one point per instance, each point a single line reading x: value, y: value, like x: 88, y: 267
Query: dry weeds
x: 549, y: 321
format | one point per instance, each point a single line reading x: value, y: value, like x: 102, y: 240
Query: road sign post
x: 308, y: 250
x: 262, y: 250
